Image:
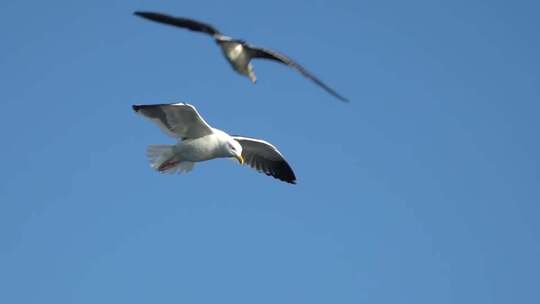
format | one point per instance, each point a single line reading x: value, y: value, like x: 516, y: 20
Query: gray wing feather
x: 265, y: 158
x: 179, y: 120
x: 263, y: 53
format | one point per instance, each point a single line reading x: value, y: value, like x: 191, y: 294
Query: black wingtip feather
x: 144, y: 14
x: 153, y: 16
x: 283, y: 172
x: 346, y: 100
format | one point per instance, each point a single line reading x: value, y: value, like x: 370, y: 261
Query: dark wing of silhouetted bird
x: 256, y: 52
x: 189, y: 24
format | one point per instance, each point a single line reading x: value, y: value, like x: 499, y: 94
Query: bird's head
x: 235, y: 150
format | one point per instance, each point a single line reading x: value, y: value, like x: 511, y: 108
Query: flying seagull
x: 198, y: 142
x: 238, y: 52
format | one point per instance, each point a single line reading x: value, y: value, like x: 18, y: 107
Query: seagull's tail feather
x: 163, y: 159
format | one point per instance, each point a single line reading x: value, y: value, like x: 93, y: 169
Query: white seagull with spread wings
x: 238, y: 52
x: 197, y: 142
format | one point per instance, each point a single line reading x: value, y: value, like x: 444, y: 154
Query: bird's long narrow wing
x: 264, y: 157
x: 263, y: 53
x: 189, y: 24
x: 180, y: 120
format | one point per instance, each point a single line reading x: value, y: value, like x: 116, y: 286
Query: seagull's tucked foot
x: 173, y: 165
x: 162, y: 157
x: 168, y: 164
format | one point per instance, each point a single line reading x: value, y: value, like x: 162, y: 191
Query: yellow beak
x: 240, y: 159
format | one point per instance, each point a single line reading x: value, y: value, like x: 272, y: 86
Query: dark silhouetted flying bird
x: 238, y: 52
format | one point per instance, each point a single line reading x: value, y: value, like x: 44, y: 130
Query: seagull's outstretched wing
x: 263, y: 53
x: 180, y: 22
x: 180, y: 120
x: 264, y: 157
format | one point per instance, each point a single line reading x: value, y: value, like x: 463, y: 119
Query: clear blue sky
x: 424, y: 189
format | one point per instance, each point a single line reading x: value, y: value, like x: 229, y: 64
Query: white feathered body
x: 184, y: 154
x: 203, y: 148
